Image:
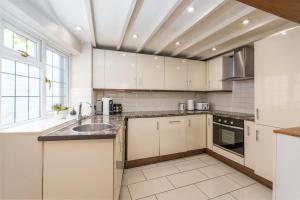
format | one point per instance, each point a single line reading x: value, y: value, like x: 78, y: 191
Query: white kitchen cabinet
x: 172, y: 135
x: 215, y: 72
x: 150, y: 72
x: 250, y: 144
x: 196, y: 132
x: 119, y: 161
x: 120, y: 70
x: 98, y: 68
x: 143, y: 138
x: 263, y: 151
x: 176, y: 74
x: 196, y: 75
x: 277, y: 80
x: 209, y: 130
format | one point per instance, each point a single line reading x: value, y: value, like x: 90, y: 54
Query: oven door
x: 229, y: 138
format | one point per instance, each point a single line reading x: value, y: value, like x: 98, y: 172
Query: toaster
x: 202, y: 106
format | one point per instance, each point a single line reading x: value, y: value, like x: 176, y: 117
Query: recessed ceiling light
x: 134, y: 36
x: 246, y: 21
x: 78, y: 28
x: 214, y: 49
x: 177, y: 43
x: 191, y: 9
x: 283, y: 32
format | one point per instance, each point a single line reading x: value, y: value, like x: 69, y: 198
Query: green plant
x: 59, y: 107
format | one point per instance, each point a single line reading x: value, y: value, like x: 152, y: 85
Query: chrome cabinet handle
x: 208, y: 122
x: 171, y: 122
x: 140, y: 81
x: 257, y: 113
x: 157, y: 125
x: 248, y: 130
x: 257, y: 135
x: 189, y: 123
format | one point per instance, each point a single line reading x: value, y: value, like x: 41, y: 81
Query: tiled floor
x: 198, y: 177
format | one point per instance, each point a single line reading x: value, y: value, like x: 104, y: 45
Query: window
x: 56, y: 75
x: 22, y: 82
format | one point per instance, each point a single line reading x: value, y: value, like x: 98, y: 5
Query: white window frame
x: 39, y: 61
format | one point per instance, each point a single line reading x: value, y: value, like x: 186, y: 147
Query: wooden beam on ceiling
x: 159, y: 25
x: 288, y: 9
x: 126, y: 23
x: 213, y: 30
x: 90, y: 17
x: 267, y: 20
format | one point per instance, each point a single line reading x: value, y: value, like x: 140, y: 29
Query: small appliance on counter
x: 190, y: 105
x: 98, y: 107
x: 181, y: 106
x: 202, y: 106
x: 107, y: 108
x: 117, y: 108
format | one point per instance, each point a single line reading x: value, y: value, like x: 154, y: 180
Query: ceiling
x: 180, y: 28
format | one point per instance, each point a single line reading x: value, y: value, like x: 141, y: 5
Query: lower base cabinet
x: 209, y: 131
x: 196, y: 132
x: 172, y: 135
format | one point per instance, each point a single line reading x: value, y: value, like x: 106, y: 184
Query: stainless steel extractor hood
x: 243, y: 64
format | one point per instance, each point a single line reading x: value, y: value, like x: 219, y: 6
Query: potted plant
x: 61, y: 112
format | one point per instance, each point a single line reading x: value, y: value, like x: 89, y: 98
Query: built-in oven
x: 228, y: 134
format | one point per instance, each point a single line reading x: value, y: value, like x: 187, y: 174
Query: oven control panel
x: 229, y: 121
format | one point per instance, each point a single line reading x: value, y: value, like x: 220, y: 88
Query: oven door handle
x: 234, y: 127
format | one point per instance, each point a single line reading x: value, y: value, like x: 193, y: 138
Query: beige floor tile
x: 241, y: 179
x: 218, y: 186
x: 149, y: 198
x: 124, y: 194
x: 253, y: 192
x: 225, y: 197
x: 184, y: 193
x: 190, y: 165
x: 170, y: 162
x: 213, y: 171
x: 196, y: 156
x: 133, y: 177
x: 210, y: 160
x: 139, y: 168
x: 150, y: 187
x: 187, y: 178
x: 160, y: 171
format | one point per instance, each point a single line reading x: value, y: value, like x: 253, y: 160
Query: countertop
x: 289, y: 131
x: 119, y: 121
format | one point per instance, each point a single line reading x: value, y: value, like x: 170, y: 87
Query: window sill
x: 40, y: 126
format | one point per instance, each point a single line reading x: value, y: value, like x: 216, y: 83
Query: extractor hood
x: 243, y: 64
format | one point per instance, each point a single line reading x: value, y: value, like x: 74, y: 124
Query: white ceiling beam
x: 126, y: 23
x: 268, y: 19
x: 188, y: 27
x: 214, y: 29
x: 159, y: 25
x: 252, y: 39
x: 90, y: 17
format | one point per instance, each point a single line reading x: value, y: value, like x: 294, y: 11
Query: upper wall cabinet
x: 150, y: 72
x: 176, y: 74
x: 196, y: 75
x: 120, y: 70
x: 215, y: 70
x: 277, y: 80
x: 98, y: 68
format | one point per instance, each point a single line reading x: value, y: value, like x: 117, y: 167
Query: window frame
x: 39, y: 61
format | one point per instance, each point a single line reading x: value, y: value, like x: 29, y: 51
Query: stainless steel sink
x: 92, y: 127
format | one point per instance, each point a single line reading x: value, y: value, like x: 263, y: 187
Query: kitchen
x: 108, y: 101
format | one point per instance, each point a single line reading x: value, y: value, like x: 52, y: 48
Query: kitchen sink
x: 92, y: 127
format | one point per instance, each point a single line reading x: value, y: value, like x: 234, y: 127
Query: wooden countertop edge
x: 295, y: 131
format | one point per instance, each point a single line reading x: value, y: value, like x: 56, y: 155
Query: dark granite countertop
x: 119, y: 121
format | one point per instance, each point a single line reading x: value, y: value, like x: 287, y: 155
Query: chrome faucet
x: 80, y: 116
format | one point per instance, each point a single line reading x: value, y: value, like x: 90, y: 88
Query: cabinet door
x: 250, y: 145
x: 209, y: 130
x: 143, y: 138
x: 172, y: 135
x: 120, y: 70
x: 98, y: 68
x: 196, y: 132
x: 150, y: 72
x: 175, y: 74
x: 196, y: 75
x: 263, y: 162
x: 215, y: 74
x: 118, y: 162
x: 277, y: 80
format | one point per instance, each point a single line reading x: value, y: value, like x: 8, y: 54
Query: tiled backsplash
x: 240, y: 100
